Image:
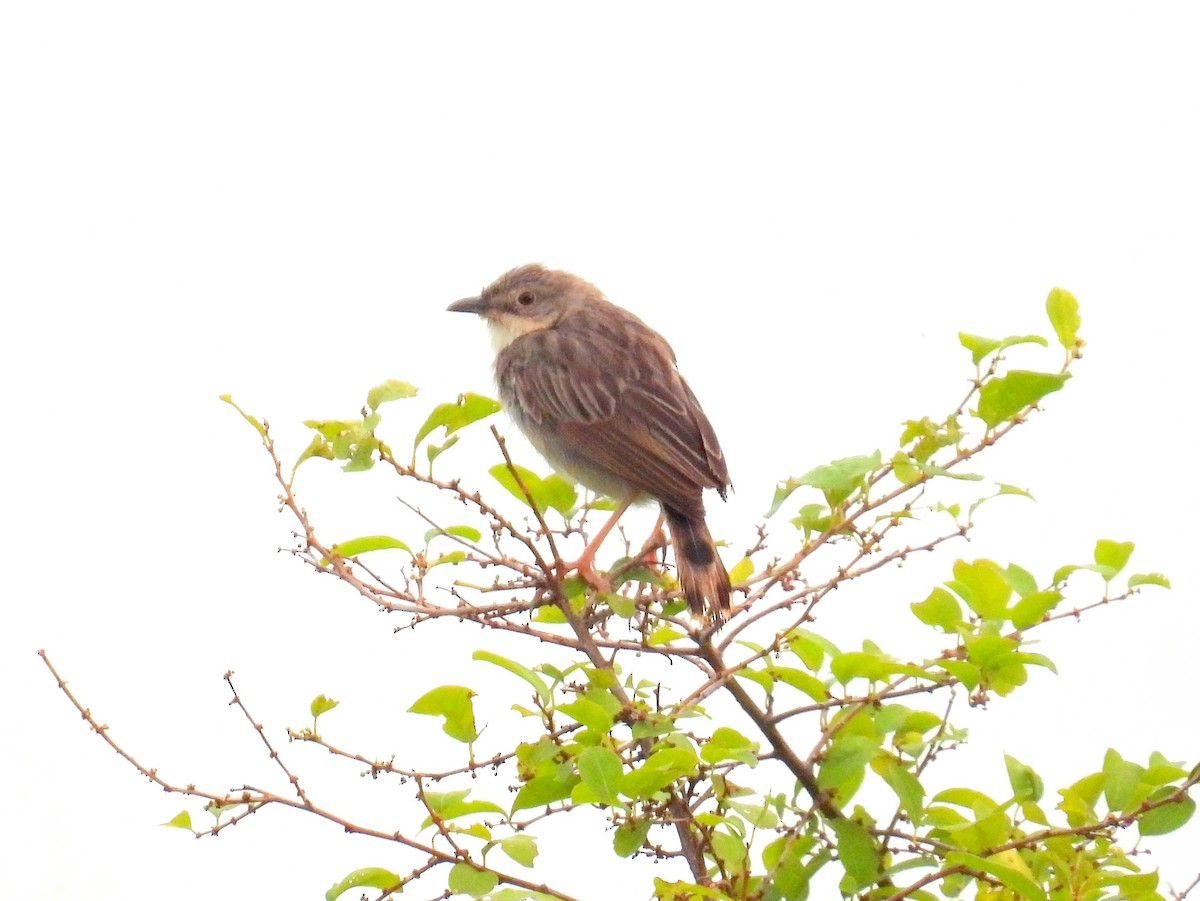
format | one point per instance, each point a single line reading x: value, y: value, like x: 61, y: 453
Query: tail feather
x: 701, y: 573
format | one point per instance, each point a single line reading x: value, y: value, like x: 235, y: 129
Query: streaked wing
x: 611, y: 396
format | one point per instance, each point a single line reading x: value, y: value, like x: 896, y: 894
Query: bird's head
x: 528, y: 299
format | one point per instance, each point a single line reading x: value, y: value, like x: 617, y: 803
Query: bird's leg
x: 584, y: 564
x: 655, y: 543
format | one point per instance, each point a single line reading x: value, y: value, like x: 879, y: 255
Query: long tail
x: 701, y: 574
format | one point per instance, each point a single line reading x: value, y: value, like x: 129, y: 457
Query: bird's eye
x: 525, y: 298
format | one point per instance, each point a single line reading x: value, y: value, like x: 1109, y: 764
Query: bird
x: 598, y: 394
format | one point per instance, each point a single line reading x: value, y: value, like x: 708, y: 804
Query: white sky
x: 278, y: 201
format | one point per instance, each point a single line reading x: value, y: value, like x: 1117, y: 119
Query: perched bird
x: 597, y: 393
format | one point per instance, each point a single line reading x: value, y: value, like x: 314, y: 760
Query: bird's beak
x: 468, y: 305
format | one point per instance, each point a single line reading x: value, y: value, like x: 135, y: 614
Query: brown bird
x: 597, y: 392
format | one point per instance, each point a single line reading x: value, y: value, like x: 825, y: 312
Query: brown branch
x: 258, y: 798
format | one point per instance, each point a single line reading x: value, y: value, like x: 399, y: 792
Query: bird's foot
x: 584, y: 569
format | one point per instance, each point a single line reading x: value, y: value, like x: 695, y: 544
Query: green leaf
x: 554, y: 784
x: 368, y: 877
x: 729, y: 744
x: 521, y: 848
x: 799, y: 680
x: 517, y: 669
x: 392, y: 389
x: 451, y: 805
x: 464, y: 879
x: 729, y: 849
x: 782, y: 492
x: 678, y: 891
x: 181, y: 820
x: 258, y: 426
x: 321, y: 704
x: 630, y: 836
x: 1004, y: 398
x: 1123, y: 785
x: 842, y: 476
x: 588, y: 713
x: 1026, y: 784
x: 980, y: 347
x: 467, y: 409
x: 939, y: 609
x: 1033, y: 608
x: 1149, y: 579
x: 786, y: 860
x: 660, y: 769
x: 742, y: 570
x: 904, y: 783
x: 470, y: 533
x: 860, y: 665
x: 600, y: 770
x: 845, y: 765
x: 663, y: 635
x: 1168, y: 817
x: 906, y: 469
x: 453, y: 702
x: 318, y: 447
x: 1024, y: 887
x: 367, y: 543
x: 982, y: 585
x: 1063, y: 310
x: 1112, y: 554
x: 551, y: 491
x: 857, y: 851
x: 1021, y: 580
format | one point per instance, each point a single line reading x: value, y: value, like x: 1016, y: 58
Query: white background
x: 279, y: 200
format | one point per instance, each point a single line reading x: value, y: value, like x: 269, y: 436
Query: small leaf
x: 452, y: 702
x: 1112, y: 554
x: 742, y: 570
x: 454, y: 804
x: 181, y: 820
x: 939, y: 609
x: 842, y: 475
x: 467, y: 409
x: 600, y: 770
x: 589, y: 714
x: 981, y: 347
x: 464, y: 879
x: 1168, y: 817
x: 392, y: 389
x: 545, y: 788
x: 1149, y: 579
x: 1032, y: 609
x: 1063, y: 310
x: 552, y: 491
x: 1020, y: 884
x: 904, y: 783
x: 367, y: 543
x: 521, y: 848
x: 368, y: 877
x: 321, y: 704
x: 1123, y: 785
x: 258, y: 426
x: 1026, y: 784
x: 470, y: 533
x: 729, y: 744
x: 318, y: 447
x: 630, y: 836
x: 517, y: 669
x: 857, y: 851
x: 1004, y: 398
x: 982, y: 585
x: 782, y: 492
